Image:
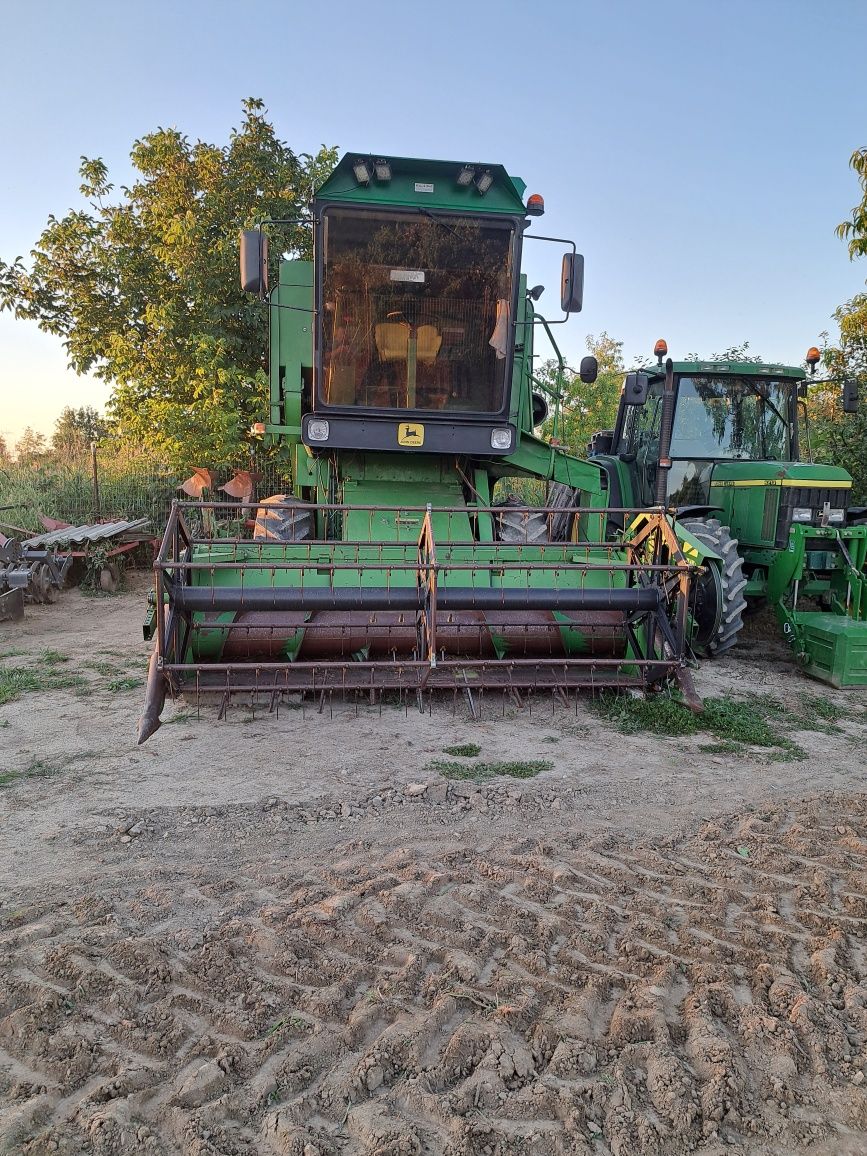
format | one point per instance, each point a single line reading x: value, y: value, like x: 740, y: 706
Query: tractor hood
x: 738, y: 473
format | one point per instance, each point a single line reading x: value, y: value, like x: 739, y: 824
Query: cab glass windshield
x: 415, y: 311
x: 732, y: 417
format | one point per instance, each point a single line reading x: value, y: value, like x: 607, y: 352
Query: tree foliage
x: 587, y: 408
x: 142, y: 284
x: 75, y: 429
x: 730, y: 353
x: 837, y: 437
x: 30, y: 447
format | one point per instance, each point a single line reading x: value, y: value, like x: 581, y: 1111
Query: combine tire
x: 720, y: 601
x: 515, y: 523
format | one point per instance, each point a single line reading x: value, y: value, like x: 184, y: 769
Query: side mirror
x: 635, y: 388
x: 802, y: 389
x: 254, y: 262
x: 588, y: 370
x: 850, y: 396
x: 572, y: 283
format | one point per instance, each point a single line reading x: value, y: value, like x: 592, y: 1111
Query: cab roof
x: 427, y: 183
x: 739, y: 368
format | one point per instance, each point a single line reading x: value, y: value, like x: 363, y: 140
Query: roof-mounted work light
x: 465, y: 175
x: 382, y: 169
x: 361, y: 168
x: 484, y: 180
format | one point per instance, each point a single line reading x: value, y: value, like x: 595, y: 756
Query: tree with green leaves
x: 587, y: 408
x: 75, y: 429
x: 142, y: 284
x: 730, y: 353
x: 837, y: 437
x: 30, y: 447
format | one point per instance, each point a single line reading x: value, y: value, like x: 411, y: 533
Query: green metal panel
x: 835, y: 648
x: 291, y: 346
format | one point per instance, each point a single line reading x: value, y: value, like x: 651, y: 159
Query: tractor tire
x: 720, y: 602
x: 515, y: 523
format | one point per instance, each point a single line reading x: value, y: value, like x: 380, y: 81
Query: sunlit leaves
x: 142, y: 285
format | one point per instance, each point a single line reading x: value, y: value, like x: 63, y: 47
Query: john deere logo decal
x: 410, y: 433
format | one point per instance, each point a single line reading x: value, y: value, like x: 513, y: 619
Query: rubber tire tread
x: 713, y: 533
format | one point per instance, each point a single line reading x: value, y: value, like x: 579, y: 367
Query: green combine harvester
x: 719, y: 443
x: 404, y: 401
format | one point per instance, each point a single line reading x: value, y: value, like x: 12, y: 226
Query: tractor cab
x: 723, y: 413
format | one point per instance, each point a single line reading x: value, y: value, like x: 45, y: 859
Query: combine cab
x: 403, y: 397
x: 731, y: 466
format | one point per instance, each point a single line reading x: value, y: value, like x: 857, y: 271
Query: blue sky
x: 696, y: 151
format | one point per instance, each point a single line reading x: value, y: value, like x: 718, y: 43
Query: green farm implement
x: 404, y: 404
x: 719, y: 442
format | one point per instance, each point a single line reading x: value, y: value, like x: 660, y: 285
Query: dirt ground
x: 288, y: 934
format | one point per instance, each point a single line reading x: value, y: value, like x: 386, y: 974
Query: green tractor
x: 403, y: 403
x: 719, y: 443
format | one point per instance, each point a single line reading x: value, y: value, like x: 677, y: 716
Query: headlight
x: 836, y: 516
x: 501, y: 439
x: 317, y: 431
x: 802, y: 514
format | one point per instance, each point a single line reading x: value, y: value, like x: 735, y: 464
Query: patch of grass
x: 743, y: 721
x: 752, y: 721
x: 722, y: 748
x: 13, y: 653
x: 130, y: 682
x: 817, y: 706
x: 53, y: 657
x: 36, y: 769
x: 480, y: 772
x: 464, y: 750
x: 101, y: 667
x: 21, y: 680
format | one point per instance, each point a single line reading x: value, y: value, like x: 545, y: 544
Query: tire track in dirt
x: 543, y: 997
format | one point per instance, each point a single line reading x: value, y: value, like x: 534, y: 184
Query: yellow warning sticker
x: 410, y: 433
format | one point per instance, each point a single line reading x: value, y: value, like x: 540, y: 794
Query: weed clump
x: 464, y: 750
x: 21, y: 680
x: 737, y: 723
x: 481, y: 772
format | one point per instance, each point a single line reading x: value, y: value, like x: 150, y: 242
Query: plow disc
x: 414, y: 600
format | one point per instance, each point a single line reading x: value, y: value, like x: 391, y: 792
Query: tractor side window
x: 641, y: 423
x: 416, y: 311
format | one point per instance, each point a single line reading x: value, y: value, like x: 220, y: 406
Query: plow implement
x: 28, y: 573
x: 413, y: 600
